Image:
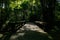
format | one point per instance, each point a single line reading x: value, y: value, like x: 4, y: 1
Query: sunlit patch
x: 34, y: 1
x: 1, y: 35
x: 3, y: 5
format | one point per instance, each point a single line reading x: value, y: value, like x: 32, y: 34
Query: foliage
x: 15, y: 12
x: 24, y: 8
x: 57, y: 14
x: 17, y: 3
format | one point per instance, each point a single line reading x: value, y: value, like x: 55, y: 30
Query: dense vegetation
x: 15, y: 13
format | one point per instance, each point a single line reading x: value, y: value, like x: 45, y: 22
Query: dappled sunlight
x: 29, y: 20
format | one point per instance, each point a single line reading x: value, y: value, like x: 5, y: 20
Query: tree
x: 48, y: 9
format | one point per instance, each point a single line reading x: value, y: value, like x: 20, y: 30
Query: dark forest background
x: 15, y: 13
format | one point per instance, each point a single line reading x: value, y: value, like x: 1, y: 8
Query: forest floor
x: 53, y: 35
x: 31, y: 31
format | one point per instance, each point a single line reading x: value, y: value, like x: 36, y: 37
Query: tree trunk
x: 48, y: 8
